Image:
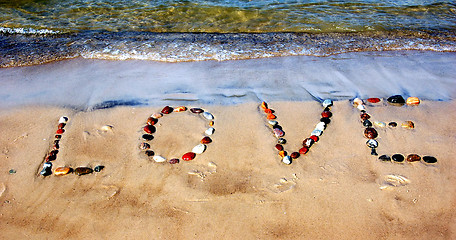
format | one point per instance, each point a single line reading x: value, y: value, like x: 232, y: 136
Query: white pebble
x: 317, y: 132
x: 210, y: 131
x: 198, y: 149
x: 358, y: 101
x: 286, y: 160
x: 380, y: 124
x: 321, y: 126
x: 159, y: 159
x: 361, y: 107
x: 208, y: 116
x: 63, y: 119
x: 327, y: 103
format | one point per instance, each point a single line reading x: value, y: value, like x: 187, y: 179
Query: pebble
x: 12, y: 171
x: 273, y: 122
x: 408, y: 125
x: 392, y: 124
x: 180, y: 109
x: 60, y: 171
x: 196, y: 110
x: 364, y: 116
x: 367, y: 123
x: 413, y: 158
x: 144, y: 146
x: 279, y: 147
x: 82, y: 171
x: 159, y: 159
x: 372, y: 143
x: 209, y: 131
x: 211, y: 123
x: 320, y: 126
x: 60, y: 131
x: 327, y: 103
x: 397, y: 100
x: 98, y: 168
x: 198, y: 149
x: 325, y: 120
x: 174, y: 161
x: 413, y: 101
x: 317, y: 132
x: 315, y: 138
x: 47, y: 166
x: 358, y: 101
x: 167, y: 110
x: 308, y: 142
x: 149, y: 129
x: 429, y: 159
x: 370, y: 133
x: 380, y: 124
x: 397, y: 158
x: 61, y: 125
x: 278, y: 132
x: 294, y: 155
x: 147, y: 137
x: 384, y: 158
x: 281, y: 141
x: 157, y: 115
x: 283, y: 153
x: 373, y: 100
x: 149, y: 153
x: 303, y: 150
x: 106, y: 128
x: 206, y: 140
x: 63, y: 119
x: 151, y: 121
x: 270, y: 116
x: 286, y: 160
x: 208, y: 116
x: 326, y: 114
x: 361, y: 107
x: 189, y: 156
x: 264, y: 105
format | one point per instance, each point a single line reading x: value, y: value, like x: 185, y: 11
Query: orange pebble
x: 264, y: 105
x: 271, y: 116
x: 211, y: 123
x: 413, y: 101
x: 282, y: 153
x: 268, y: 110
x: 180, y: 109
x: 62, y: 171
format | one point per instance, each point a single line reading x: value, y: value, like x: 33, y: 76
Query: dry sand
x: 238, y: 188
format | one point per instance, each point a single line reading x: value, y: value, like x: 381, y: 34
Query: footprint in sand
x: 284, y: 184
x: 393, y: 180
x: 211, y: 168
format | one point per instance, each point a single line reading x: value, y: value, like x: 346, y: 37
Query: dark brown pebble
x: 150, y: 153
x: 370, y: 133
x: 364, y: 116
x: 82, y: 171
x: 206, y: 140
x: 325, y: 120
x: 294, y: 155
x: 61, y: 125
x: 173, y: 161
x: 144, y: 146
x: 279, y: 147
x: 367, y: 123
x: 56, y: 146
x: 413, y: 158
x: 147, y: 137
x: 196, y: 110
x: 384, y: 158
x: 149, y: 129
x: 392, y: 124
x: 397, y: 158
x: 58, y: 136
x: 167, y: 110
x: 429, y: 159
x: 152, y: 121
x: 396, y: 100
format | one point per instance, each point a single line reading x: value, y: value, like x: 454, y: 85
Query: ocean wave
x: 30, y: 49
x: 27, y: 31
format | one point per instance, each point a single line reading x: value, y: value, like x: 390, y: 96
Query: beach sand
x: 238, y: 188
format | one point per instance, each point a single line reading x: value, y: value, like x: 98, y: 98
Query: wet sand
x: 238, y: 188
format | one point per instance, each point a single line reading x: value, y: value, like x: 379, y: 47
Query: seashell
x: 198, y: 149
x: 397, y: 157
x: 384, y: 158
x: 392, y: 124
x: 372, y: 143
x: 308, y: 142
x: 208, y: 115
x: 315, y: 138
x: 60, y: 171
x: 364, y: 116
x: 294, y: 155
x: 303, y: 150
x: 173, y: 161
x: 358, y: 101
x: 270, y: 116
x: 396, y: 100
x: 63, y: 119
x: 98, y: 168
x: 370, y: 133
x: 373, y: 100
x: 159, y: 159
x: 325, y: 120
x: 408, y: 125
x: 61, y: 125
x: 147, y: 137
x: 180, y: 109
x: 167, y: 110
x: 149, y: 129
x: 283, y: 153
x: 327, y: 103
x: 380, y: 124
x: 273, y: 122
x: 82, y: 171
x: 196, y: 110
x: 361, y: 107
x: 149, y: 153
x: 413, y: 101
x: 156, y: 115
x: 106, y: 128
x: 189, y: 156
x: 206, y: 140
x: 209, y: 131
x: 281, y: 141
x: 279, y: 147
x: 429, y: 159
x: 144, y: 146
x: 413, y: 158
x: 286, y: 160
x: 278, y: 132
x: 60, y: 131
x: 317, y: 132
x: 211, y: 123
x: 264, y: 105
x: 320, y: 126
x: 151, y: 121
x: 326, y: 114
x: 367, y: 123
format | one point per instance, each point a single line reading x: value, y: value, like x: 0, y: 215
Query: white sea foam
x: 27, y: 31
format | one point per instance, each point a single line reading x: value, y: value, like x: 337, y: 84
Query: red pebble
x: 364, y: 116
x: 206, y: 140
x: 60, y: 131
x: 279, y: 147
x: 315, y: 138
x: 61, y: 125
x: 188, y: 156
x: 167, y: 110
x: 294, y: 155
x: 152, y: 121
x: 303, y: 150
x: 326, y: 114
x: 149, y: 129
x: 373, y: 100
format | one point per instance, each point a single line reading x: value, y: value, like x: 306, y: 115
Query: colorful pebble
x: 413, y: 101
x: 189, y: 156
